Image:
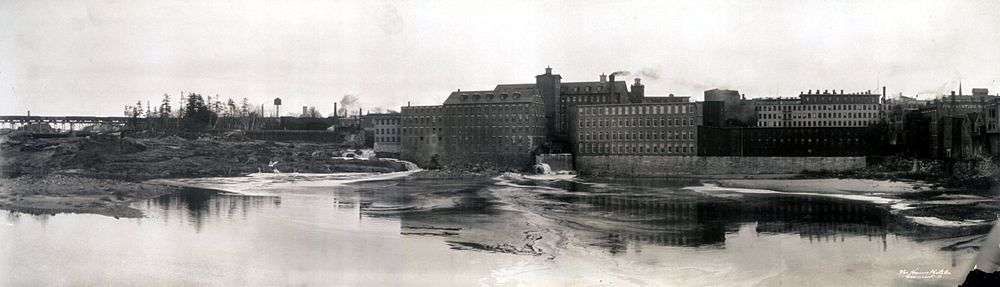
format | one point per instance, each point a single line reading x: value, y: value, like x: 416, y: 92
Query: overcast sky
x: 93, y: 57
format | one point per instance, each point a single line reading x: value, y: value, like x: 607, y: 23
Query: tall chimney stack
x: 883, y: 94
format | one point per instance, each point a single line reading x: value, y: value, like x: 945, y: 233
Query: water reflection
x: 650, y: 233
x: 196, y: 206
x: 619, y: 214
x: 661, y: 220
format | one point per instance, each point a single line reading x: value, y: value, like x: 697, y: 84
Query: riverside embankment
x: 103, y: 173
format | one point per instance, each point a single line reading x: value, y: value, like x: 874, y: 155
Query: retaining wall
x: 656, y: 166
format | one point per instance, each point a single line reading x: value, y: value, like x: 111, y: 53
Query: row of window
x: 387, y: 121
x: 493, y: 109
x: 831, y: 140
x: 512, y: 140
x: 504, y: 140
x: 638, y: 110
x: 636, y: 122
x: 591, y: 99
x: 577, y: 89
x: 854, y: 115
x: 490, y: 97
x: 815, y: 123
x: 386, y: 139
x: 493, y: 119
x: 818, y: 107
x: 474, y: 130
x: 421, y: 110
x: 420, y: 120
x: 636, y: 148
x: 496, y: 130
x: 641, y: 135
x: 840, y: 99
x: 387, y: 131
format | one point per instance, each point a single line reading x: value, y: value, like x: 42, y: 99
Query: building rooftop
x: 519, y: 93
x: 592, y: 87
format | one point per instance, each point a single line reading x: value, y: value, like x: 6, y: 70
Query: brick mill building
x: 668, y: 128
x: 501, y: 128
x: 816, y: 109
x: 385, y: 133
x: 609, y: 127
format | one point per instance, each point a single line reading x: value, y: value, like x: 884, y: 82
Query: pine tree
x: 165, y: 109
x: 197, y: 115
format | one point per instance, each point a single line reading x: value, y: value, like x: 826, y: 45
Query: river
x: 377, y: 230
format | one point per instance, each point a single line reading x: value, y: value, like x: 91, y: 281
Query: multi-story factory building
x: 501, y: 128
x: 638, y: 129
x: 816, y: 109
x: 421, y: 134
x: 507, y: 126
x: 385, y: 133
x: 560, y: 99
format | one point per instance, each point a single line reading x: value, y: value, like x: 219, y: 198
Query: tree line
x: 198, y: 112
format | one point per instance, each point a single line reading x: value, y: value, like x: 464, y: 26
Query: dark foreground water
x: 336, y: 230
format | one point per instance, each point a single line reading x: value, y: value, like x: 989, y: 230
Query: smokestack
x: 637, y: 82
x: 604, y: 78
x: 335, y: 110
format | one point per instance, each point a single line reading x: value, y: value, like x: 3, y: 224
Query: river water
x: 362, y: 229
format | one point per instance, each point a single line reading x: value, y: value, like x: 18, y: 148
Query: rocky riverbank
x: 102, y: 174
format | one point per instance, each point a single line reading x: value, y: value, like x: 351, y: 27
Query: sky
x: 94, y: 57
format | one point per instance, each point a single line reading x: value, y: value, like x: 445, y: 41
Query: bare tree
x: 232, y: 110
x: 311, y: 112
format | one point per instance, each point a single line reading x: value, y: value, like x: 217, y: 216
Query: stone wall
x: 655, y: 166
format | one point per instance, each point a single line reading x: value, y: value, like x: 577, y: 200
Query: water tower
x: 277, y: 107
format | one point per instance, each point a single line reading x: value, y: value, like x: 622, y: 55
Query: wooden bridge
x: 70, y: 123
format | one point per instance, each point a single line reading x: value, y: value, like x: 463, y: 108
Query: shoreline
x: 104, y: 173
x: 58, y: 193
